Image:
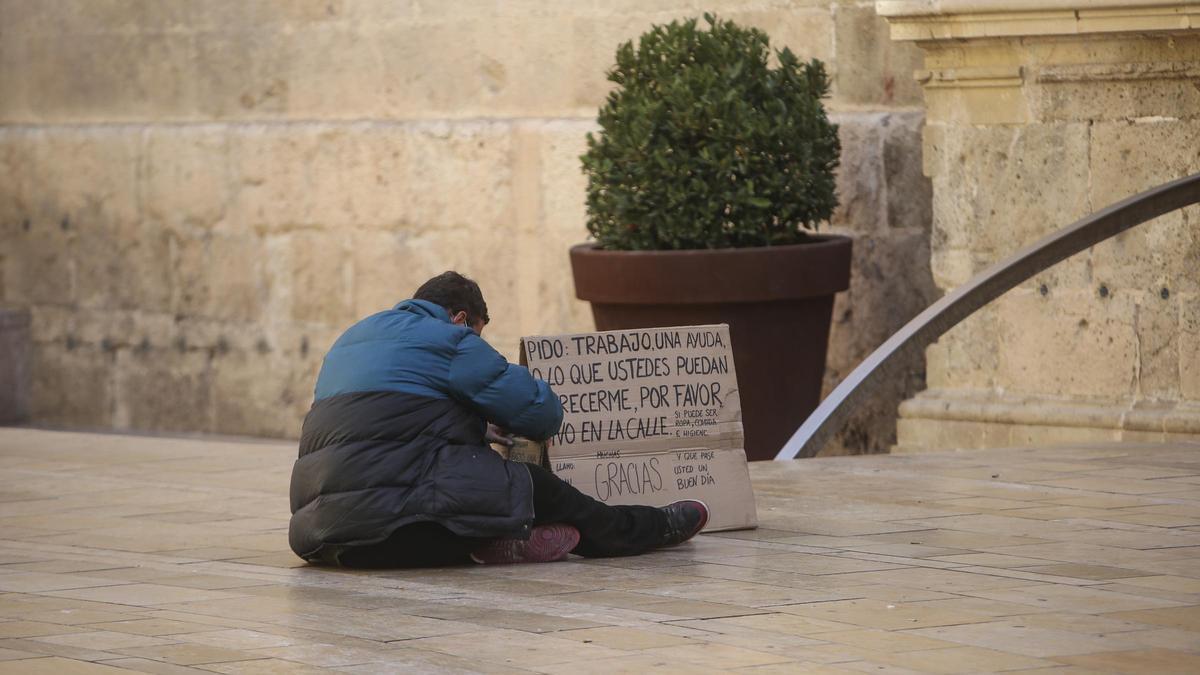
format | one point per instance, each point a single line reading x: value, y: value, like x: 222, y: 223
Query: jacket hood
x: 424, y: 308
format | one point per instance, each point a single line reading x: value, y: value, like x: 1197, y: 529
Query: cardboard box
x: 651, y: 416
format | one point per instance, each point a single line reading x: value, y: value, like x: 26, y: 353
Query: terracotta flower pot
x: 777, y: 300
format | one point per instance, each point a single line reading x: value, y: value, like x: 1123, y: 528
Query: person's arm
x: 504, y: 393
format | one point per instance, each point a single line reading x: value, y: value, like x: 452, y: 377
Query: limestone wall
x: 199, y: 196
x: 1039, y: 115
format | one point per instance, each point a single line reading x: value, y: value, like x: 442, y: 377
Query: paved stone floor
x: 169, y: 555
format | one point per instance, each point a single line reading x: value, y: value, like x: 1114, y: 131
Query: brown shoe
x: 546, y: 543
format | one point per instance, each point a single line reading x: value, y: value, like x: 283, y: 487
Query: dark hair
x: 457, y: 294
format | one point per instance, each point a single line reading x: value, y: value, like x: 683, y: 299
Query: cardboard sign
x: 651, y: 416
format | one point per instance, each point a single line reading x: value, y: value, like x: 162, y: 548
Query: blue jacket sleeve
x: 504, y: 393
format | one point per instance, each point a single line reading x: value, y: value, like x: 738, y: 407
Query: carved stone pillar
x: 1038, y: 113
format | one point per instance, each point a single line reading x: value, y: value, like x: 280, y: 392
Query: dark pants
x: 605, y: 531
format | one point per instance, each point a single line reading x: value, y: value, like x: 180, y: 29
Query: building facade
x: 1040, y: 113
x: 200, y: 196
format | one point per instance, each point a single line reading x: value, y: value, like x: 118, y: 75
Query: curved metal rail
x: 963, y: 301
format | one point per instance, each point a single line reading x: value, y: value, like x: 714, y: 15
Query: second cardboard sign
x: 651, y: 416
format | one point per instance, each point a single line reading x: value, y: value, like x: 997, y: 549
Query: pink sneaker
x: 546, y: 543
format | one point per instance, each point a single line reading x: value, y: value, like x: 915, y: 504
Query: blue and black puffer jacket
x: 396, y: 435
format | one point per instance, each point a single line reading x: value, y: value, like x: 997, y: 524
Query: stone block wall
x: 14, y: 366
x: 1038, y: 116
x: 199, y: 196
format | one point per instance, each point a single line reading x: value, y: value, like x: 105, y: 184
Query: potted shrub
x: 706, y: 182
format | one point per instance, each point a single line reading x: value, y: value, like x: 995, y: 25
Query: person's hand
x: 495, y: 434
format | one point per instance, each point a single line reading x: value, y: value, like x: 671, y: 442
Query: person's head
x: 460, y: 296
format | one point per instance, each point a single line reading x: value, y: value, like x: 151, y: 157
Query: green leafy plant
x: 703, y: 144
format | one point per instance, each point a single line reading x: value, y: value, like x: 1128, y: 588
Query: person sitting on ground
x: 395, y: 469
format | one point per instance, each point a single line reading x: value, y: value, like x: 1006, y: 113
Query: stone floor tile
x: 1166, y: 638
x: 962, y: 660
x: 786, y: 624
x: 878, y: 614
x: 210, y: 582
x: 102, y: 640
x: 1158, y: 661
x: 411, y: 660
x: 1126, y: 486
x: 1000, y: 524
x: 745, y: 594
x: 983, y: 504
x: 1101, y: 501
x: 238, y: 638
x: 1093, y: 572
x: 152, y: 627
x: 991, y: 560
x: 1121, y: 538
x: 975, y: 541
x: 715, y: 655
x: 809, y: 588
x: 71, y: 616
x: 263, y: 667
x: 1063, y: 670
x: 626, y: 639
x: 825, y: 542
x: 193, y: 617
x: 885, y: 640
x: 525, y: 587
x: 1021, y: 638
x: 1154, y: 519
x: 185, y: 654
x: 984, y: 607
x: 51, y: 649
x: 793, y: 647
x: 1077, y: 623
x: 16, y: 655
x: 1183, y: 618
x: 385, y: 626
x: 1073, y: 598
x: 60, y: 566
x: 211, y: 553
x: 806, y: 667
x: 25, y: 629
x: 329, y: 655
x: 1166, y: 583
x: 141, y: 595
x: 153, y: 667
x: 1088, y: 554
x: 129, y: 574
x: 515, y: 648
x: 529, y: 621
x: 807, y: 563
x: 829, y: 654
x: 949, y: 581
x: 1059, y: 512
x: 32, y: 582
x: 1185, y: 567
x: 282, y: 559
x: 634, y: 664
x: 907, y: 550
x: 1119, y: 586
x: 870, y: 666
x: 891, y: 594
x: 55, y: 665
